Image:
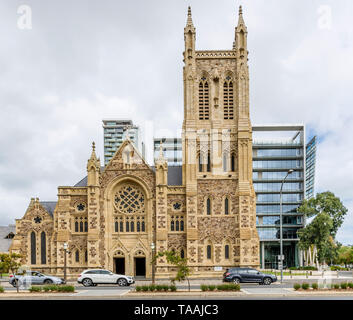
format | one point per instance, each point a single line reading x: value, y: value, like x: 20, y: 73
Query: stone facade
x: 110, y: 219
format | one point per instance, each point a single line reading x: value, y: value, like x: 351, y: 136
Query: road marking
x: 247, y: 292
x: 79, y: 292
x: 125, y: 292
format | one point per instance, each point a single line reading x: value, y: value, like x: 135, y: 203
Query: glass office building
x: 115, y: 132
x: 172, y: 150
x: 277, y: 149
x: 310, y: 168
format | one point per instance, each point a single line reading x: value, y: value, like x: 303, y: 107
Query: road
x: 278, y: 291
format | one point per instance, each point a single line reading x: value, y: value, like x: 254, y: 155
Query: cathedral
x: 120, y: 215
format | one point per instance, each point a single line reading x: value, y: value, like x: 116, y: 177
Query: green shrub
x: 173, y: 288
x: 350, y: 285
x: 211, y: 287
x: 1, y: 289
x: 65, y: 288
x: 305, y: 286
x: 343, y: 285
x: 46, y: 288
x: 35, y: 289
x: 296, y: 286
x: 152, y: 287
x: 315, y: 286
x: 159, y: 287
x: 234, y: 287
x: 138, y: 288
x: 165, y: 287
x: 51, y: 287
x: 307, y: 268
x: 204, y: 287
x: 336, y: 286
x: 144, y: 288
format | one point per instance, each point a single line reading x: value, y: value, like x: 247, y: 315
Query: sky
x: 75, y: 63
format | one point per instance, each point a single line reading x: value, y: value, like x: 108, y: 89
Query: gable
x: 127, y: 157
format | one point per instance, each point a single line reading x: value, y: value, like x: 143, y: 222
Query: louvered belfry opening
x: 204, y: 100
x: 228, y: 99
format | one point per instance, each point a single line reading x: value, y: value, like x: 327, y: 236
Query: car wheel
x: 236, y: 280
x: 267, y: 281
x: 87, y: 282
x: 122, y: 282
x: 48, y: 281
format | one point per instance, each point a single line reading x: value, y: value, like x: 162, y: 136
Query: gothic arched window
x: 208, y: 206
x: 228, y: 99
x: 204, y: 98
x: 81, y: 226
x: 86, y: 226
x: 209, y: 252
x: 182, y: 225
x: 116, y: 226
x: 225, y: 166
x: 232, y: 162
x: 208, y: 162
x: 33, y: 248
x: 77, y: 256
x: 182, y: 254
x: 121, y: 226
x: 76, y: 226
x: 143, y: 226
x: 43, y: 248
x: 132, y: 229
x: 226, y: 251
x: 138, y: 226
x: 172, y: 225
x: 200, y: 162
x: 226, y: 206
x: 86, y: 256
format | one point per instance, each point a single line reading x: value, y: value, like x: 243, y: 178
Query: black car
x: 237, y: 275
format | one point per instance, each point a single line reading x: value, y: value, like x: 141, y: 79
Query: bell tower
x: 217, y: 153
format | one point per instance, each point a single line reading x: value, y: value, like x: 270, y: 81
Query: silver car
x: 34, y: 278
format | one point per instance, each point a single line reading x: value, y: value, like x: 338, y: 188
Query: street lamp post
x: 65, y: 251
x: 280, y: 223
x: 153, y: 262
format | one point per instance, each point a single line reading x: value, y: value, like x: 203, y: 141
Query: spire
x: 161, y: 154
x: 241, y: 19
x: 93, y: 167
x: 189, y: 20
x: 240, y: 33
x: 93, y: 154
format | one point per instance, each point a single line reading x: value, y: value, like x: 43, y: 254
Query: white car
x: 92, y: 277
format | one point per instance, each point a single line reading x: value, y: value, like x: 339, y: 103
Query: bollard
x: 290, y: 272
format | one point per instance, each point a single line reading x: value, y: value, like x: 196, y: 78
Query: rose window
x: 130, y: 199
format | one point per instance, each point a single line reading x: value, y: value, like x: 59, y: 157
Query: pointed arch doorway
x: 119, y: 262
x: 140, y: 264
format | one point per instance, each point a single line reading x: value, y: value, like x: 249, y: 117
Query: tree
x: 325, y: 202
x: 318, y: 233
x: 329, y: 213
x: 9, y: 262
x: 183, y: 271
x: 345, y: 256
